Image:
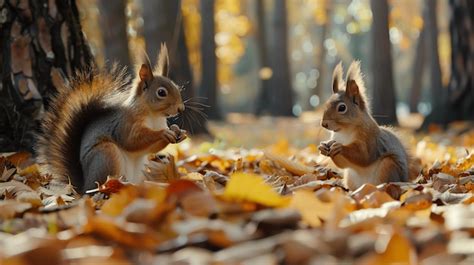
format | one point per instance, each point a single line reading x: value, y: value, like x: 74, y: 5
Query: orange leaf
x: 181, y: 188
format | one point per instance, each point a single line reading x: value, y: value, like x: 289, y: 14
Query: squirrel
x: 367, y: 152
x: 102, y: 124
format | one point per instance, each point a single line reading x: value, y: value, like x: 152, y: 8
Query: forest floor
x: 259, y: 193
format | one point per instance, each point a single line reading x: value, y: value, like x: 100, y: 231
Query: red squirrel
x: 101, y: 124
x: 367, y: 152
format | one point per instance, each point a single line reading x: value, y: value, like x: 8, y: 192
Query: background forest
x: 258, y: 57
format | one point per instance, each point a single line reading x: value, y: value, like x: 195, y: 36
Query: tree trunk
x: 461, y: 84
x: 457, y: 102
x: 263, y: 104
x: 320, y: 88
x: 41, y: 41
x: 113, y: 23
x: 384, y: 90
x: 418, y: 68
x: 282, y: 91
x: 156, y: 25
x: 437, y: 91
x: 208, y: 87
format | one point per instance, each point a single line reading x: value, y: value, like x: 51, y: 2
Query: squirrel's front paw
x: 325, y: 147
x: 170, y: 136
x: 334, y: 149
x: 180, y: 134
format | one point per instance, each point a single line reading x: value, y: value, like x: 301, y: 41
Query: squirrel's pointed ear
x: 145, y: 73
x: 163, y: 62
x: 337, y: 78
x: 355, y: 84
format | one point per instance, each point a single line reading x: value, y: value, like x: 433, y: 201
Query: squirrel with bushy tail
x: 100, y: 124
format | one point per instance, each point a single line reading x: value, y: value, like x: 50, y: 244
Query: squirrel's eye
x: 162, y: 92
x: 341, y: 108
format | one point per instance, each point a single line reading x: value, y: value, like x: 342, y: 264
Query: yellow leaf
x: 312, y: 210
x: 252, y: 188
x: 398, y: 250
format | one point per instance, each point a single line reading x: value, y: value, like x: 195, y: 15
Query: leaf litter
x: 208, y: 203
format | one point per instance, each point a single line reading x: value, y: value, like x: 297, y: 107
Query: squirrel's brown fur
x: 102, y: 124
x: 367, y: 152
x: 86, y: 96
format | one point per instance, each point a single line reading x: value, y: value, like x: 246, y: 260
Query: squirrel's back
x: 77, y: 104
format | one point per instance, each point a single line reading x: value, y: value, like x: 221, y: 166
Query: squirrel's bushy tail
x: 86, y: 96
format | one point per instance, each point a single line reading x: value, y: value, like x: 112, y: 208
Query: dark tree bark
x: 461, y: 83
x: 113, y: 23
x: 437, y: 92
x: 41, y: 41
x: 208, y: 87
x: 456, y: 102
x: 263, y: 104
x: 383, y: 87
x: 418, y: 68
x: 281, y: 96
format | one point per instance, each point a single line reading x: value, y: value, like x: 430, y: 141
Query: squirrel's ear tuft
x: 144, y: 72
x: 355, y: 87
x: 163, y: 62
x: 337, y: 78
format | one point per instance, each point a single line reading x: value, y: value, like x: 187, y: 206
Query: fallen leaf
x: 311, y: 209
x: 252, y: 188
x: 292, y: 166
x: 9, y: 208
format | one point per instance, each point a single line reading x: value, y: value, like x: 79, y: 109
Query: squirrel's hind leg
x: 101, y: 161
x: 388, y: 170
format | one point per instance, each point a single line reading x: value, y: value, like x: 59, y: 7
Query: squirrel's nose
x: 325, y: 125
x: 181, y: 108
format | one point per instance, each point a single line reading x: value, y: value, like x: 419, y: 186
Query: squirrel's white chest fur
x: 134, y: 162
x: 355, y: 174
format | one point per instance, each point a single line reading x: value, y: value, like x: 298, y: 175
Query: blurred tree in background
x: 384, y: 98
x: 208, y: 86
x: 266, y: 57
x: 113, y: 22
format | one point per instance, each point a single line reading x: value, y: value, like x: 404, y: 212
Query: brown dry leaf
x: 161, y: 168
x: 10, y: 208
x: 292, y: 166
x: 252, y: 188
x: 200, y: 204
x: 21, y: 159
x: 363, y: 191
x: 130, y: 234
x: 7, y: 173
x: 392, y: 189
x: 181, y: 188
x: 419, y: 201
x: 442, y: 181
x: 375, y: 199
x: 311, y: 209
